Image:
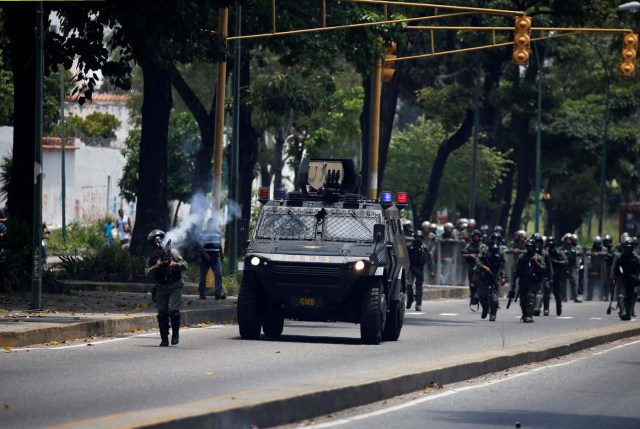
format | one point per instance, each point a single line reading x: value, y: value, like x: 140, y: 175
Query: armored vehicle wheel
x: 273, y: 321
x: 373, y: 314
x: 395, y: 320
x: 249, y: 315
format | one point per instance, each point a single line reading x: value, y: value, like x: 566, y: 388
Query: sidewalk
x: 87, y: 310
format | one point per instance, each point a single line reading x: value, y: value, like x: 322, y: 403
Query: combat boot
x: 558, y: 308
x: 546, y: 312
x: 527, y: 319
x: 175, y: 328
x: 163, y: 325
x: 485, y: 310
x: 492, y: 317
x: 622, y: 310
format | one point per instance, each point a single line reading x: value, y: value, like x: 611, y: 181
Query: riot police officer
x: 166, y: 266
x: 489, y: 275
x: 448, y: 245
x: 625, y: 276
x: 417, y: 261
x: 529, y: 274
x: 597, y: 270
x: 548, y: 276
x: 559, y: 279
x: 470, y: 255
x: 572, y: 266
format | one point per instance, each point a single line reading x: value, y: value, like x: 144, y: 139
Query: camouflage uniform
x: 489, y: 274
x: 559, y: 261
x: 529, y: 273
x: 625, y: 275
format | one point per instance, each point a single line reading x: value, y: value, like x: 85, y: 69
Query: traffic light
x: 629, y: 47
x: 522, y: 40
x: 389, y: 61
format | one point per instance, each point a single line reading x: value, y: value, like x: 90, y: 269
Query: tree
x: 183, y: 144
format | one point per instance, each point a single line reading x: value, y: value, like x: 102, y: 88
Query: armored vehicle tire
x: 249, y: 314
x: 395, y: 320
x: 273, y: 321
x: 373, y: 314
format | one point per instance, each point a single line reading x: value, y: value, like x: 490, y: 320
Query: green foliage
x: 5, y: 175
x: 96, y: 129
x: 79, y: 238
x: 6, y: 94
x: 184, y: 140
x: 413, y: 151
x: 14, y: 249
x: 105, y: 263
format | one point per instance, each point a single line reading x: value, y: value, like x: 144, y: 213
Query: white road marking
x: 415, y: 313
x: 595, y: 318
x: 448, y: 314
x: 454, y: 391
x: 565, y: 317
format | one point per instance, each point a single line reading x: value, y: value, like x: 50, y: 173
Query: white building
x: 91, y: 173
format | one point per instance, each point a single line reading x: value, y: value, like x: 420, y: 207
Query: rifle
x: 514, y: 298
x: 165, y: 258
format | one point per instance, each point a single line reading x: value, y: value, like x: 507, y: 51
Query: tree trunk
x: 364, y: 143
x: 248, y: 142
x: 524, y: 165
x: 19, y: 21
x: 460, y: 137
x: 388, y: 105
x: 278, y: 161
x: 152, y: 208
x: 202, y: 175
x: 507, y: 185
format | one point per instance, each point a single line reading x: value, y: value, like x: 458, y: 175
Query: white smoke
x: 199, y: 215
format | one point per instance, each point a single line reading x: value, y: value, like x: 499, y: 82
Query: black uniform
x: 559, y: 262
x: 625, y: 275
x: 417, y: 261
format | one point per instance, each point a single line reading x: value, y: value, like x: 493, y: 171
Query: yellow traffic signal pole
x: 219, y: 120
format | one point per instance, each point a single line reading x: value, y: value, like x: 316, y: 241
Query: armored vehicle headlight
x: 255, y: 261
x: 359, y: 266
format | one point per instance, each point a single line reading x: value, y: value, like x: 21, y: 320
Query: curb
x: 91, y: 286
x: 113, y: 326
x: 280, y: 405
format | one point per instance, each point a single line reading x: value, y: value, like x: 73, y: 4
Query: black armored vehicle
x: 325, y: 254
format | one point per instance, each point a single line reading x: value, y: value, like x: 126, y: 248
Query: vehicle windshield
x: 303, y: 224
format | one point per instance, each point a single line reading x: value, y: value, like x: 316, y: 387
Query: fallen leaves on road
x: 7, y: 349
x: 211, y: 373
x: 6, y: 407
x: 52, y: 343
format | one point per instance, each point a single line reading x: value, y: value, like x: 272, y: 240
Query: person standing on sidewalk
x: 124, y: 229
x: 211, y: 256
x: 108, y: 232
x: 166, y: 266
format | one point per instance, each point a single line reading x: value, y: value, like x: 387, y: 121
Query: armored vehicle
x: 325, y: 254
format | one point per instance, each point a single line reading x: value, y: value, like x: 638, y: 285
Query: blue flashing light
x: 387, y: 197
x: 280, y: 194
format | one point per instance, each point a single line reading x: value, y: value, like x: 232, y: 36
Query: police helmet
x: 155, y: 237
x: 566, y: 236
x: 574, y: 239
x: 425, y: 224
x: 498, y: 229
x: 484, y: 228
x: 623, y: 236
x: 530, y: 243
x: 627, y: 244
x: 607, y: 240
x: 464, y: 225
x: 521, y: 233
x: 472, y: 223
x: 495, y: 238
x: 597, y: 241
x: 551, y: 242
x: 448, y: 225
x: 476, y: 232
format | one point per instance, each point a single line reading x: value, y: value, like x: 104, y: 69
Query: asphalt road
x: 52, y: 385
x: 593, y: 389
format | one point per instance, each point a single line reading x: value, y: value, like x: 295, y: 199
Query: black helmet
x: 627, y: 243
x: 551, y: 242
x: 607, y: 240
x: 476, y: 232
x: 155, y: 237
x: 495, y: 238
x: 597, y: 241
x: 530, y: 243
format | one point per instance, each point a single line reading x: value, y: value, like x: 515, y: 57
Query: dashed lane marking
x: 448, y: 314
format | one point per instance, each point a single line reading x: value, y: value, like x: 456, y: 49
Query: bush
x: 105, y: 263
x: 79, y: 238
